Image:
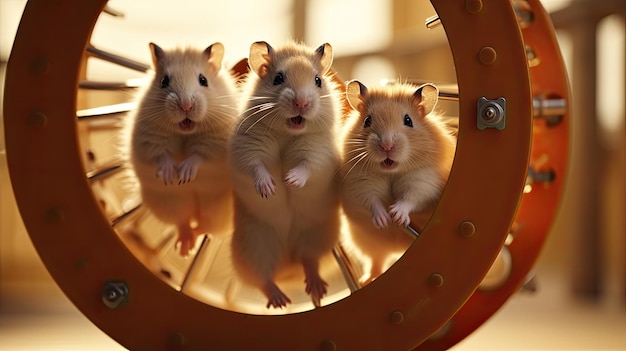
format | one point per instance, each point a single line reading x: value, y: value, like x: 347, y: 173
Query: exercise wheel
x: 502, y: 193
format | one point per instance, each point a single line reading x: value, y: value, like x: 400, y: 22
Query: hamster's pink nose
x: 186, y: 107
x: 301, y: 103
x: 386, y: 146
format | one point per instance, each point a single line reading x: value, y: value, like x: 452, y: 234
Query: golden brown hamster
x: 285, y: 156
x: 397, y: 156
x: 178, y: 142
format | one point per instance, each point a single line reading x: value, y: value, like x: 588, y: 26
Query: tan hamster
x: 178, y: 142
x: 285, y: 155
x: 397, y: 156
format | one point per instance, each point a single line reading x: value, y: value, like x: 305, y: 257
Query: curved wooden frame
x: 399, y: 310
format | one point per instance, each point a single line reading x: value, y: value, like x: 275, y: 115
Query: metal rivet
x: 467, y: 229
x: 37, y: 119
x: 487, y: 55
x: 396, y: 317
x: 39, y: 65
x: 114, y: 294
x: 329, y: 345
x: 54, y: 215
x: 81, y: 264
x: 473, y: 6
x: 176, y: 339
x: 435, y: 280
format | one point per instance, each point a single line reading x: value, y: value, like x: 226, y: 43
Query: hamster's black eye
x: 202, y: 80
x: 318, y: 81
x: 165, y: 81
x: 368, y: 122
x: 408, y: 121
x: 279, y: 79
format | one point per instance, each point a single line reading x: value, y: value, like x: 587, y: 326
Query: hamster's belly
x: 366, y: 237
x: 207, y: 198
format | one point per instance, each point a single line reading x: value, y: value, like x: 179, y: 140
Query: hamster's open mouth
x: 186, y: 124
x: 388, y: 164
x: 296, y: 122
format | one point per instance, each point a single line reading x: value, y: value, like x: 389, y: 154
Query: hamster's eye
x: 202, y: 80
x: 368, y: 122
x: 165, y: 81
x: 318, y: 81
x: 408, y: 121
x: 279, y: 79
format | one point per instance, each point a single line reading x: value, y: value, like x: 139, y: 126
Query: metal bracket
x: 491, y: 113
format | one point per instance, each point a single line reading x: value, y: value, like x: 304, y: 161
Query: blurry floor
x: 39, y: 317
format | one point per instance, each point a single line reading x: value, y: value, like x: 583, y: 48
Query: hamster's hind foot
x: 315, y: 285
x: 275, y: 297
x: 186, y: 240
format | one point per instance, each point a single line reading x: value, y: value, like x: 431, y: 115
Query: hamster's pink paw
x: 275, y: 297
x: 188, y: 168
x: 264, y: 184
x: 380, y: 217
x: 297, y: 176
x: 167, y: 170
x: 399, y: 211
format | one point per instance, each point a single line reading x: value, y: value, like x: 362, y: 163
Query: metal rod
x: 118, y: 60
x: 125, y: 215
x: 412, y: 231
x: 543, y: 108
x: 105, y: 171
x: 347, y: 268
x: 205, y: 241
x: 105, y: 111
x: 433, y: 22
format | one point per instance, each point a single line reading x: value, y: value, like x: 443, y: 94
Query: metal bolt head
x: 114, y: 294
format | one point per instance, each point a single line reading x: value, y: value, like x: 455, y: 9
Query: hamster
x: 397, y: 156
x: 178, y: 142
x: 285, y: 155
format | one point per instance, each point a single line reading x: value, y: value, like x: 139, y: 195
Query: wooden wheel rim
x: 398, y: 311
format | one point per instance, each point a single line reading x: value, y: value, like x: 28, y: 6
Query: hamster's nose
x: 301, y: 103
x: 186, y: 106
x: 387, y: 147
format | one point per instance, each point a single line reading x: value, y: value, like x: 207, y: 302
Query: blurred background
x: 580, y: 301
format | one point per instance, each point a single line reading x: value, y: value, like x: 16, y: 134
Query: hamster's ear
x: 426, y: 97
x: 356, y: 93
x: 157, y: 54
x: 215, y: 54
x: 259, y: 60
x: 325, y: 53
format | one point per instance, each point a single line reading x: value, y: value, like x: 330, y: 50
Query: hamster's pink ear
x: 325, y: 53
x: 215, y: 54
x: 426, y: 97
x: 157, y: 54
x: 259, y: 60
x: 356, y: 93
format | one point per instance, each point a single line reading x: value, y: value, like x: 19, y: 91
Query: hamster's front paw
x: 380, y: 217
x: 264, y: 183
x: 167, y: 170
x: 188, y: 168
x: 297, y: 176
x: 400, y: 213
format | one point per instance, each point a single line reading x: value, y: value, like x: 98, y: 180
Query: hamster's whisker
x: 358, y: 159
x: 257, y: 121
